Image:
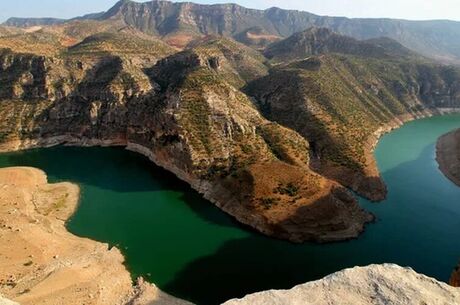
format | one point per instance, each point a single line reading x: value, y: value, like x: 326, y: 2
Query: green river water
x: 192, y: 250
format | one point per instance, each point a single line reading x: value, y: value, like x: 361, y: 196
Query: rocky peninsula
x: 448, y: 155
x: 375, y: 284
x: 42, y: 263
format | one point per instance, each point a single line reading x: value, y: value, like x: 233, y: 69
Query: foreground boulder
x: 375, y: 284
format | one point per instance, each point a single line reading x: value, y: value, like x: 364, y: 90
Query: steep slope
x: 341, y: 103
x: 375, y: 284
x: 237, y: 63
x: 448, y: 155
x: 185, y: 112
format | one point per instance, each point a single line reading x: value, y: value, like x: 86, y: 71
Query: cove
x: 192, y: 250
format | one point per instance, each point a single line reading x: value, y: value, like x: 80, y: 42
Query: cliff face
x: 277, y: 161
x: 184, y: 112
x: 342, y: 102
x: 375, y: 284
x: 448, y: 155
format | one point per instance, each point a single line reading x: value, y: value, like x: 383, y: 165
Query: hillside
x: 340, y: 95
x: 316, y: 41
x: 186, y: 113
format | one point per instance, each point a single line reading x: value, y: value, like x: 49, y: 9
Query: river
x: 190, y: 249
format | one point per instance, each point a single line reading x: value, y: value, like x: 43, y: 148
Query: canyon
x: 270, y: 142
x: 273, y: 116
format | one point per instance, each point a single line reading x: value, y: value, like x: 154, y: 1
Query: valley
x: 239, y: 141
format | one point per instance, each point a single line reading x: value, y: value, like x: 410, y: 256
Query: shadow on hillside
x: 406, y: 227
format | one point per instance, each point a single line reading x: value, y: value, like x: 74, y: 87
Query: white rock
x: 373, y: 285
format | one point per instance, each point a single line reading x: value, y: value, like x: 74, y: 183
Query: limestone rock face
x: 375, y: 284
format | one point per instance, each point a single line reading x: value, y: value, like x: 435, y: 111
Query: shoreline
x: 43, y: 263
x: 448, y: 155
x: 219, y: 195
x: 215, y: 193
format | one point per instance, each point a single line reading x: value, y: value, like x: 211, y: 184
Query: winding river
x: 189, y: 248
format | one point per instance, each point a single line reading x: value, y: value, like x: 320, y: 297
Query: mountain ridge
x: 184, y: 21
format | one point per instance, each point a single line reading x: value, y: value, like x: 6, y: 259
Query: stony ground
x: 375, y: 284
x: 42, y: 263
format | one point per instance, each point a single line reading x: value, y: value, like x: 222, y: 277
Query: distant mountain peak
x: 320, y: 40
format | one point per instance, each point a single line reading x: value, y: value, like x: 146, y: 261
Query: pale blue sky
x: 407, y: 9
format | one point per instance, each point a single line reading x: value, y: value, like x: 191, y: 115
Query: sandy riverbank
x: 42, y: 263
x: 448, y: 155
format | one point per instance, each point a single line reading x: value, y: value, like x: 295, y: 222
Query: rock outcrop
x: 448, y: 155
x: 185, y: 112
x: 375, y: 284
x: 42, y: 263
x: 340, y: 94
x: 274, y: 146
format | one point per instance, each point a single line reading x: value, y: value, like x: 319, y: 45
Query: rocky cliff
x: 341, y: 94
x: 272, y: 144
x: 375, y: 284
x: 448, y: 155
x: 186, y: 113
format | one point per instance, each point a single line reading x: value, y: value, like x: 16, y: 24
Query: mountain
x: 181, y: 23
x: 30, y: 22
x: 185, y: 21
x: 315, y: 41
x: 186, y: 112
x: 340, y: 94
x: 275, y: 142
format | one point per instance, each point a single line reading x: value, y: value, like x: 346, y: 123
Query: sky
x: 404, y: 9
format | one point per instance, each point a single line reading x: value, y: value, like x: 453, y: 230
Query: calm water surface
x: 189, y: 248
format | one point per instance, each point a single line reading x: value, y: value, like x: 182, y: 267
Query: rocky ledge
x: 42, y: 263
x: 375, y: 284
x: 448, y: 155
